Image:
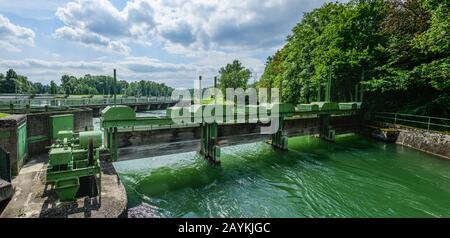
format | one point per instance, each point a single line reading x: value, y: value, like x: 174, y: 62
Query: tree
x: 11, y: 74
x: 9, y: 85
x: 53, y: 88
x: 15, y: 83
x: 398, y: 50
x: 234, y: 76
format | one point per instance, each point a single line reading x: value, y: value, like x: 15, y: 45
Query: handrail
x: 416, y: 121
x: 412, y: 115
x: 82, y: 101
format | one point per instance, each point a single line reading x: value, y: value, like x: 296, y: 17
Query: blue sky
x: 168, y: 41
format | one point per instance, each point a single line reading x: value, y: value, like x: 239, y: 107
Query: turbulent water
x: 353, y: 177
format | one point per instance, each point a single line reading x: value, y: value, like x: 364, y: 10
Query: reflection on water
x: 354, y: 177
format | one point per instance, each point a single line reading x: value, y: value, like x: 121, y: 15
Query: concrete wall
x: 39, y: 125
x: 9, y: 141
x: 431, y: 142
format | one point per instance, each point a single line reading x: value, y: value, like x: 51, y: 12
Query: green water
x: 354, y: 177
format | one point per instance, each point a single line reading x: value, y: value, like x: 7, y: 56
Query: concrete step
x: 6, y: 190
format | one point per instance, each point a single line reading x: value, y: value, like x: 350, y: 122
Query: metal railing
x: 415, y: 121
x: 80, y: 101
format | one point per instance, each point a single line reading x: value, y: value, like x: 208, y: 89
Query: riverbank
x: 427, y: 141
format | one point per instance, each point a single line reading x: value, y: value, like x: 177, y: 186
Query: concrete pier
x: 32, y: 199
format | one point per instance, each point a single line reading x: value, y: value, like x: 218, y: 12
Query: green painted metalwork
x: 22, y: 142
x: 307, y: 107
x: 60, y: 123
x: 327, y: 106
x: 67, y: 188
x: 86, y: 136
x: 209, y: 147
x: 60, y: 156
x: 34, y: 139
x: 348, y: 106
x: 119, y: 112
x: 61, y: 135
x: 279, y: 139
x: 72, y: 157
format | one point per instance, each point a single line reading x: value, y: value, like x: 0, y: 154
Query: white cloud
x: 193, y: 25
x: 12, y: 36
x: 100, y: 25
x: 208, y: 34
x: 92, y: 39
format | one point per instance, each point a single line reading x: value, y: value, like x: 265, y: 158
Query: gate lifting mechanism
x: 74, y: 157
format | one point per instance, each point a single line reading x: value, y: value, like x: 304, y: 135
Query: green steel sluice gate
x: 73, y: 157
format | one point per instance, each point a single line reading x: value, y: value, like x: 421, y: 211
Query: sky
x: 166, y: 41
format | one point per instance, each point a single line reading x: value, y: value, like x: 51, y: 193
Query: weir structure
x: 74, y: 158
x: 154, y: 136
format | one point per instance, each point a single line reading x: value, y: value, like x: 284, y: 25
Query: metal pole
x: 328, y: 96
x: 114, y: 87
x: 319, y: 92
x: 281, y: 90
x: 361, y: 94
x: 429, y: 121
x: 200, y: 89
x: 215, y: 87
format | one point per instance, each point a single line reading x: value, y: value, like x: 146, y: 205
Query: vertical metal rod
x: 110, y: 144
x: 114, y: 87
x: 361, y: 93
x: 115, y: 144
x: 319, y: 92
x: 281, y: 90
x: 429, y: 121
x: 215, y: 87
x: 200, y: 89
x: 328, y: 95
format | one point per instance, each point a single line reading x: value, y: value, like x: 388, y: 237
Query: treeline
x: 86, y: 85
x: 14, y: 83
x: 399, y: 50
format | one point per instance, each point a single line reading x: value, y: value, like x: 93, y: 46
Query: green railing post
x: 429, y: 121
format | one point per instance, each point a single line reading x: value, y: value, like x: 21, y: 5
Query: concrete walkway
x: 31, y: 199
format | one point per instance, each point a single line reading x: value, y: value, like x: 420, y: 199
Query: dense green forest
x: 398, y: 50
x: 88, y: 84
